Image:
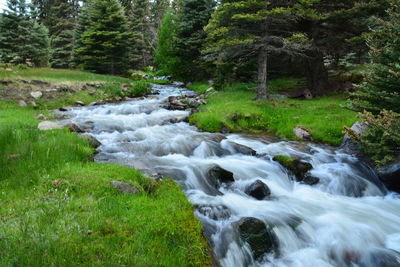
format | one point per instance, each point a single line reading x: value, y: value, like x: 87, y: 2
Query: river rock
x: 350, y: 146
x: 258, y: 190
x: 298, y: 168
x: 390, y: 176
x: 302, y: 133
x: 310, y: 180
x: 63, y: 109
x: 79, y: 103
x: 242, y: 149
x: 258, y: 235
x: 22, y: 103
x: 217, y: 212
x: 49, y: 125
x: 92, y: 140
x: 217, y: 176
x: 124, y: 188
x: 40, y: 117
x: 74, y: 127
x: 36, y: 94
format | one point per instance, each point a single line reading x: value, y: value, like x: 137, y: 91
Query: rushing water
x: 347, y: 219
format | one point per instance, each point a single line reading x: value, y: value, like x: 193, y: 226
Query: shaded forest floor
x: 233, y: 108
x: 58, y: 207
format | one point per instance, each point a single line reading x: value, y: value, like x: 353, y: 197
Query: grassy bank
x: 58, y: 208
x: 59, y: 75
x: 233, y: 108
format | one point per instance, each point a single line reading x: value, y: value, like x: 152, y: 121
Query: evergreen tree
x: 61, y: 33
x: 80, y: 28
x: 140, y: 41
x: 165, y: 57
x: 192, y: 17
x: 255, y: 29
x: 158, y: 10
x: 22, y: 40
x: 381, y: 87
x: 103, y: 44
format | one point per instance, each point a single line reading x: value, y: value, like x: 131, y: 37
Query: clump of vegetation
x: 139, y: 88
x: 381, y: 138
x: 112, y: 89
x: 297, y: 167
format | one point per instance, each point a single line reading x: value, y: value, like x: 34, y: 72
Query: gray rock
x: 63, y: 109
x: 22, y: 103
x: 258, y: 235
x: 80, y: 103
x: 92, y: 140
x: 390, y: 176
x: 36, y: 94
x: 302, y: 133
x: 124, y: 188
x: 74, y: 127
x: 33, y: 104
x: 49, y: 125
x: 310, y: 180
x: 218, y: 176
x: 40, y: 117
x: 350, y: 146
x: 258, y: 190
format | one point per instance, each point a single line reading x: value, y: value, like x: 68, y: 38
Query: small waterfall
x: 347, y: 219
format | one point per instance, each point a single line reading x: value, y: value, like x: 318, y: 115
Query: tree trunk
x: 262, y: 75
x: 317, y: 75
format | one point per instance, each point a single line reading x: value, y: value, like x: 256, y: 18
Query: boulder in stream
x: 258, y: 190
x: 258, y: 235
x: 218, y: 176
x: 92, y: 140
x: 390, y: 176
x: 298, y: 168
x: 74, y: 127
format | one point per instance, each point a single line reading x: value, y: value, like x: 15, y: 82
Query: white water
x: 347, y: 219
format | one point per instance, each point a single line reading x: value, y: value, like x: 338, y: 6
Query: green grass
x: 60, y: 75
x: 57, y: 208
x: 200, y: 87
x: 234, y: 109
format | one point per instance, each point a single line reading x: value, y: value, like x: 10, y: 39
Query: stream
x: 347, y: 219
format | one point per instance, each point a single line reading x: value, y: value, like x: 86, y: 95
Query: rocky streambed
x: 257, y: 207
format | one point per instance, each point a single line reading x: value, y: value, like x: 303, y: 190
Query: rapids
x: 347, y: 219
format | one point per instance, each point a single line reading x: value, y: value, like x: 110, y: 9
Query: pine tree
x: 158, y: 10
x: 192, y: 17
x: 381, y: 87
x: 22, y: 40
x: 80, y: 28
x: 165, y: 58
x: 104, y: 42
x: 140, y: 41
x: 61, y: 32
x: 257, y: 29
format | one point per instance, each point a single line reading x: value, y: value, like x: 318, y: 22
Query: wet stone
x: 258, y: 190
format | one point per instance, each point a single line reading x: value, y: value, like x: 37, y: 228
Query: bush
x: 140, y: 88
x: 381, y: 139
x: 111, y: 89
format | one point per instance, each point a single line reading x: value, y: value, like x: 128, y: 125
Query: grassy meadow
x: 234, y: 109
x: 58, y: 207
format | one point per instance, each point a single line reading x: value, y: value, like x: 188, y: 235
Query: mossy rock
x: 297, y: 167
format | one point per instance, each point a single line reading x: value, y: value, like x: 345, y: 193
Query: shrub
x: 381, y: 139
x: 111, y: 89
x: 140, y: 88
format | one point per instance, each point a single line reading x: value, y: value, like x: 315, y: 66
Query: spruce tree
x: 165, y: 58
x: 61, y: 32
x: 104, y: 42
x: 381, y: 87
x: 256, y: 29
x: 192, y: 17
x: 140, y: 41
x: 22, y: 40
x: 80, y: 28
